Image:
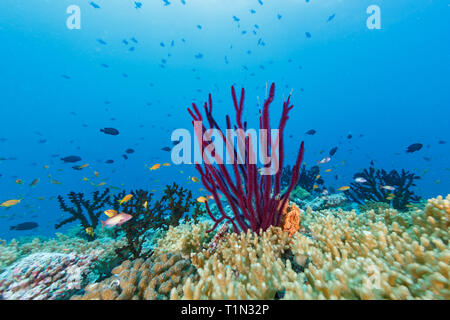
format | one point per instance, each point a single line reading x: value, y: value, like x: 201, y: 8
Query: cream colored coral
x: 246, y: 266
x: 391, y: 255
x: 185, y: 238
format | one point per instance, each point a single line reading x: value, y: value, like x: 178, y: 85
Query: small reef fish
x: 96, y: 173
x: 19, y: 181
x: 71, y: 159
x: 101, y: 184
x: 328, y: 170
x: 360, y: 180
x: 145, y: 205
x: 155, y: 167
x: 90, y: 231
x: 24, y: 226
x: 34, y: 182
x: 414, y: 147
x: 110, y: 131
x: 202, y: 199
x: 85, y: 179
x: 10, y: 203
x: 117, y: 220
x: 311, y: 132
x: 195, y: 179
x: 343, y: 188
x: 318, y: 176
x: 110, y: 213
x: 125, y: 199
x: 81, y: 167
x: 390, y: 188
x: 53, y: 181
x: 324, y: 160
x: 315, y: 187
x: 166, y: 164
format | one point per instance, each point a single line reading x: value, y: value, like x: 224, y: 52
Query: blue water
x: 389, y: 85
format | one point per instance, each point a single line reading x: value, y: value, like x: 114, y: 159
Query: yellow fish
x: 96, y: 173
x: 202, y: 199
x: 101, y: 184
x: 110, y: 213
x: 18, y: 181
x: 85, y: 179
x: 195, y: 179
x: 343, y: 188
x: 315, y: 187
x: 145, y: 205
x: 166, y: 164
x: 155, y: 167
x: 318, y: 176
x: 55, y: 181
x: 10, y: 203
x: 126, y: 199
x: 90, y: 231
x: 84, y: 166
x: 328, y: 170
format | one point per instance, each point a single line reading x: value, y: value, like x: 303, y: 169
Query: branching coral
x: 172, y: 208
x: 80, y: 203
x: 377, y: 187
x: 255, y: 199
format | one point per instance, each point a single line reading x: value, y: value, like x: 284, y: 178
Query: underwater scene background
x: 92, y: 91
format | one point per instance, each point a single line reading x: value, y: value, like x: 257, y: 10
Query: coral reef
x: 255, y: 199
x: 173, y: 207
x: 149, y: 279
x: 92, y: 207
x: 392, y: 255
x: 45, y: 276
x: 377, y: 187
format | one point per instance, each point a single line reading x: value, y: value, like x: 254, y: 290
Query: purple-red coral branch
x: 254, y: 199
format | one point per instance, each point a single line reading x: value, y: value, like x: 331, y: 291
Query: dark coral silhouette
x: 372, y: 189
x: 86, y: 211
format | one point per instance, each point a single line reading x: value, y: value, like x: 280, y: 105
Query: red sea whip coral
x: 255, y: 199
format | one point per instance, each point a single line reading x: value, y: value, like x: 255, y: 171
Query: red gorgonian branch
x: 255, y: 199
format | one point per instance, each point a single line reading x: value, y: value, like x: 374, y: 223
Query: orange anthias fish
x: 96, y: 173
x: 126, y: 199
x: 343, y: 188
x: 110, y: 213
x: 10, y: 203
x: 202, y: 199
x: 155, y: 167
x: 101, y: 184
x: 117, y: 220
x: 166, y: 164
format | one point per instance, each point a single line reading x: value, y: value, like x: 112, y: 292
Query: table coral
x: 46, y: 276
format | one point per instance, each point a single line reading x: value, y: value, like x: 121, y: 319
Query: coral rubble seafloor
x: 328, y: 253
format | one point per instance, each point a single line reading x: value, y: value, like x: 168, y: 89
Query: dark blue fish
x: 279, y: 16
x: 71, y: 159
x: 236, y: 19
x: 129, y: 151
x: 414, y: 147
x: 131, y: 49
x: 125, y: 42
x: 125, y: 156
x: 308, y: 35
x: 311, y: 132
x: 162, y: 44
x: 166, y: 2
x: 101, y: 41
x: 65, y: 77
x: 110, y: 131
x: 199, y: 26
x: 134, y: 40
x: 96, y: 6
x: 331, y: 17
x: 104, y: 65
x: 198, y: 56
x: 252, y: 11
x: 333, y: 151
x: 24, y: 226
x: 260, y: 2
x: 166, y: 149
x: 138, y: 5
x: 109, y: 161
x: 183, y: 1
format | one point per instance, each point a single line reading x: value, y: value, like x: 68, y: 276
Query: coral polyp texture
x: 255, y: 199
